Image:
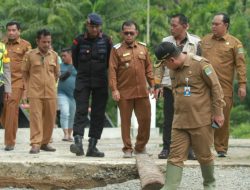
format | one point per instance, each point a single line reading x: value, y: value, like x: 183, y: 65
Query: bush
x: 239, y: 115
x: 242, y: 131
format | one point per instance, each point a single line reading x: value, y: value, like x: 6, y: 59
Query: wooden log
x: 150, y: 176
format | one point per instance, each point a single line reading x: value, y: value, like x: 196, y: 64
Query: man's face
x: 66, y: 57
x: 171, y: 63
x: 44, y: 43
x: 129, y: 33
x: 219, y: 28
x: 12, y: 32
x: 93, y: 30
x: 177, y: 28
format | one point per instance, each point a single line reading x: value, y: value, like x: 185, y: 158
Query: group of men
x: 32, y: 75
x: 202, y: 89
x: 197, y: 90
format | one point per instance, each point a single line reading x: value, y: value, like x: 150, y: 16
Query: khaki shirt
x: 130, y: 69
x: 41, y: 73
x: 206, y: 97
x: 225, y: 54
x: 16, y: 52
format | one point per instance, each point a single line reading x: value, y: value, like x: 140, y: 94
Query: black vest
x: 92, y: 61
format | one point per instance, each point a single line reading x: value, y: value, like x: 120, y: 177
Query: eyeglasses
x: 129, y: 33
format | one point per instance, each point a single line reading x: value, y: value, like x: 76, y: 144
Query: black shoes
x: 163, y: 154
x: 9, y: 148
x: 92, y: 150
x: 221, y: 154
x: 77, y: 147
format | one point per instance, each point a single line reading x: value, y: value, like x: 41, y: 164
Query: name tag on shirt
x: 187, y: 91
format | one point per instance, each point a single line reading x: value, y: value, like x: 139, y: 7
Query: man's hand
x: 242, y: 93
x: 157, y: 93
x: 7, y: 96
x: 116, y: 95
x: 151, y: 90
x: 219, y: 119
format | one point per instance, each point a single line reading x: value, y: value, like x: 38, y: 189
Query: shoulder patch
x: 142, y: 43
x: 197, y: 58
x: 207, y: 70
x: 240, y: 49
x: 117, y: 46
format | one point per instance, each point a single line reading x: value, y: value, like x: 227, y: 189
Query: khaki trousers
x: 142, y: 109
x: 42, y: 120
x: 10, y: 115
x: 200, y: 139
x: 221, y: 135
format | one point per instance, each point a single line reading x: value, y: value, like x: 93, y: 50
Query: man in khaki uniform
x: 185, y: 42
x: 198, y: 100
x: 129, y: 70
x: 16, y: 47
x: 226, y: 54
x: 41, y: 70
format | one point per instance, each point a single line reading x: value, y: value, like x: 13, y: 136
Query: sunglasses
x: 129, y: 33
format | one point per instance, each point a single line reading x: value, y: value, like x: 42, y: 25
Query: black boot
x: 77, y: 147
x: 92, y: 150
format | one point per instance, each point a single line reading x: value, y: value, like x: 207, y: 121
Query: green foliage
x: 239, y: 115
x: 66, y: 19
x: 159, y: 113
x: 242, y: 131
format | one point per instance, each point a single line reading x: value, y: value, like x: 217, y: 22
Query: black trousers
x: 1, y: 98
x: 168, y: 117
x: 99, y: 97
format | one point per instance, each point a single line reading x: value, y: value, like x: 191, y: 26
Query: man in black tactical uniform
x: 90, y: 53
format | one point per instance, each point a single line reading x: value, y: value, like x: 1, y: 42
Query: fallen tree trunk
x: 150, y: 176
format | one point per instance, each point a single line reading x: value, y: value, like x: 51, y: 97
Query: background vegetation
x: 65, y: 19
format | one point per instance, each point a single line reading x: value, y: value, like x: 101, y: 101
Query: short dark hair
x: 42, y: 32
x: 11, y: 23
x: 225, y: 19
x: 68, y: 50
x: 130, y: 23
x: 182, y: 18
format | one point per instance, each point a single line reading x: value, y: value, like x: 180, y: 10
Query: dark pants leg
x: 97, y: 116
x: 168, y: 117
x: 82, y: 104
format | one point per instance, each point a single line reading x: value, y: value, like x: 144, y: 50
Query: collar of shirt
x: 225, y: 37
x: 134, y: 44
x: 37, y: 51
x: 18, y: 41
x: 190, y: 39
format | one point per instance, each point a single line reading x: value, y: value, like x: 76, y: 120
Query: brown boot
x: 47, y: 147
x: 34, y: 150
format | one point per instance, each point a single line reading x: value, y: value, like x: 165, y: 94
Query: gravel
x: 228, y: 178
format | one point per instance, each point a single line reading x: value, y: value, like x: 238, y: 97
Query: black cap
x: 165, y: 50
x: 94, y: 19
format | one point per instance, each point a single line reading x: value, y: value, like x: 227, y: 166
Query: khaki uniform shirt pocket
x: 142, y: 58
x: 52, y: 66
x: 125, y: 62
